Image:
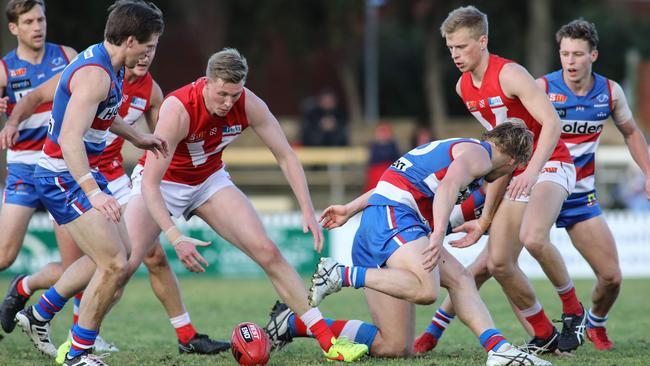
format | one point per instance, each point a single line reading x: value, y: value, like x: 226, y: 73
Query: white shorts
x: 563, y: 174
x: 182, y: 199
x: 121, y: 189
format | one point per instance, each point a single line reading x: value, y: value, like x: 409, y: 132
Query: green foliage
x: 139, y: 326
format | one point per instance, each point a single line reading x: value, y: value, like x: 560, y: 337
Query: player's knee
x: 611, y: 279
x: 5, y: 261
x: 390, y: 348
x: 500, y: 268
x: 115, y: 268
x: 156, y: 259
x: 425, y: 295
x: 267, y: 255
x: 534, y: 241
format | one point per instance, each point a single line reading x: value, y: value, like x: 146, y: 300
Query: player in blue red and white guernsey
x: 199, y: 120
x: 142, y: 98
x: 584, y: 101
x: 86, y: 102
x: 399, y: 259
x: 494, y: 88
x: 32, y: 63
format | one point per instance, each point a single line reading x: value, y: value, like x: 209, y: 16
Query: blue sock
x: 439, y: 323
x: 492, y: 339
x: 353, y: 276
x: 82, y: 340
x: 49, y: 304
x: 595, y: 321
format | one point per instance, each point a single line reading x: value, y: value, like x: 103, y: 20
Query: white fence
x: 631, y: 232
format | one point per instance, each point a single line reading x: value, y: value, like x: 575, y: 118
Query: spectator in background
x: 383, y: 152
x: 324, y: 122
x: 421, y: 135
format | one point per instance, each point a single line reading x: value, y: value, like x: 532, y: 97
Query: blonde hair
x: 512, y: 138
x: 465, y: 17
x: 228, y: 65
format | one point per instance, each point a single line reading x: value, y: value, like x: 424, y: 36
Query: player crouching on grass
x: 400, y: 261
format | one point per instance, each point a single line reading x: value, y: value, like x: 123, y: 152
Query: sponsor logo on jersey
x: 561, y: 112
x: 232, y: 130
x: 481, y: 103
x: 21, y: 84
x: 471, y: 105
x: 495, y: 101
x: 139, y: 102
x: 557, y: 98
x: 604, y: 105
x: 580, y: 108
x: 57, y: 61
x: 14, y: 73
x: 40, y: 76
x: 549, y: 169
x: 196, y: 136
x: 577, y: 127
x: 601, y: 114
x: 88, y: 53
x: 602, y: 98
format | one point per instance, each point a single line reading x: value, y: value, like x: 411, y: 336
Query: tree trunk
x: 346, y: 72
x: 436, y: 101
x: 539, y: 38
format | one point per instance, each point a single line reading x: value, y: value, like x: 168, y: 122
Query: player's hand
x: 474, y: 232
x: 107, y: 205
x: 432, y: 253
x: 8, y: 135
x: 4, y: 101
x: 334, y: 216
x: 522, y: 184
x: 185, y: 248
x: 154, y: 144
x: 309, y: 224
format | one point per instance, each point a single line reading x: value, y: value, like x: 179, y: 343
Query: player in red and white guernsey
x: 200, y: 120
x: 142, y: 99
x: 494, y: 89
x: 584, y: 101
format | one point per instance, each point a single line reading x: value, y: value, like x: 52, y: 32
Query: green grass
x: 138, y: 325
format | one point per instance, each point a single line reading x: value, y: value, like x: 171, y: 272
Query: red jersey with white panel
x: 136, y: 101
x: 491, y: 106
x: 198, y: 155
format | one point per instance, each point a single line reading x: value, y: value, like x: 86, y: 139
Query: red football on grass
x: 250, y: 344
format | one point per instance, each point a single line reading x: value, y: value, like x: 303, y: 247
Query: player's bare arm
x: 471, y: 161
x: 70, y: 52
x: 173, y: 127
x: 517, y: 82
x: 266, y: 126
x: 476, y: 228
x: 155, y: 100
x: 25, y: 108
x: 3, y: 83
x: 634, y: 138
x: 145, y: 141
x: 89, y: 86
x: 337, y: 215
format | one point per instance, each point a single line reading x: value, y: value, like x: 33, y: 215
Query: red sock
x: 75, y: 308
x: 301, y: 329
x: 541, y: 325
x: 185, y: 333
x: 323, y: 334
x: 21, y: 289
x: 570, y: 303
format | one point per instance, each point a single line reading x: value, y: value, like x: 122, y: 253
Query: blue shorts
x: 63, y: 197
x: 19, y: 186
x: 578, y: 207
x: 382, y: 231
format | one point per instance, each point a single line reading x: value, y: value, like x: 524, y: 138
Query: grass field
x: 138, y: 326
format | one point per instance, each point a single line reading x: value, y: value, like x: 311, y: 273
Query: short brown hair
x: 135, y: 18
x: 16, y: 8
x: 228, y: 65
x: 512, y: 138
x: 579, y: 29
x: 465, y: 17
